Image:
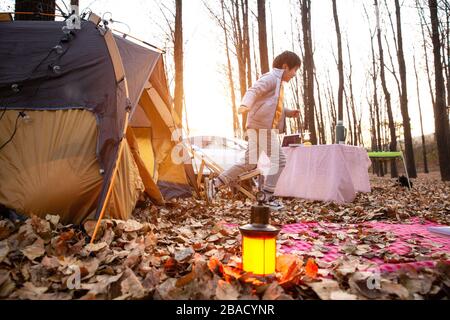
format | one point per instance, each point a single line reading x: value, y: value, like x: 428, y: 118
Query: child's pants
x: 259, y: 141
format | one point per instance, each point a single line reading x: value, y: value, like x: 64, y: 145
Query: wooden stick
x: 249, y: 175
x: 200, y: 174
x: 247, y: 193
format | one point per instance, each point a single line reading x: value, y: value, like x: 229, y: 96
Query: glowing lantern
x: 259, y: 246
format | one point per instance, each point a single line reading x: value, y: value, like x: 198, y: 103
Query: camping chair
x: 390, y: 155
x: 215, y: 170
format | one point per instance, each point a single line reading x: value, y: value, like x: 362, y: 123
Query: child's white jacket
x: 262, y: 100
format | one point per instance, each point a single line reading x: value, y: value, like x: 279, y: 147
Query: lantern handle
x: 260, y: 197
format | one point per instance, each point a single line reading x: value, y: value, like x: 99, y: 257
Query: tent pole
x: 111, y: 184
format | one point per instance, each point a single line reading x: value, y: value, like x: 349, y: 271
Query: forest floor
x: 189, y: 250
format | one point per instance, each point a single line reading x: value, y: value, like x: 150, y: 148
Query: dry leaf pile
x: 188, y: 250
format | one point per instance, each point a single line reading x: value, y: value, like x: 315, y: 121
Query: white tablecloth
x: 324, y: 172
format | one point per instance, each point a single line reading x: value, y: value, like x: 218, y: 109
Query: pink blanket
x: 404, y: 237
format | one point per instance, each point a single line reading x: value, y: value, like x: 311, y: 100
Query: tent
x: 86, y: 122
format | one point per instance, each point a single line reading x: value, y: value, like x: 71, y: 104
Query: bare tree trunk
x: 255, y: 59
x: 308, y: 71
x: 361, y: 138
x: 409, y: 151
x: 330, y: 117
x: 340, y: 62
x: 447, y: 14
x: 263, y: 55
x: 271, y: 32
x: 322, y: 138
x: 445, y: 32
x: 386, y: 132
x: 295, y: 86
x: 239, y: 45
x: 244, y: 7
x: 332, y: 108
x: 349, y: 120
x: 236, y: 126
x: 393, y: 70
x: 376, y: 109
x: 387, y: 95
x: 240, y: 52
x: 440, y: 111
x: 424, y: 147
x: 178, y: 59
x: 427, y: 67
x: 373, y: 135
x: 44, y: 7
x: 352, y: 98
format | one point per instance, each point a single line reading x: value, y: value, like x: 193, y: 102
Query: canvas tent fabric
x: 46, y: 173
x: 98, y: 77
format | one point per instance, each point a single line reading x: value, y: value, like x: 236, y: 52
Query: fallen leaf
x: 35, y: 250
x: 152, y: 279
x: 6, y: 229
x: 41, y: 227
x: 131, y: 285
x: 226, y: 291
x: 102, y: 285
x: 4, y: 250
x: 342, y: 295
x: 108, y: 236
x: 61, y: 243
x: 169, y: 291
x: 30, y: 292
x: 95, y: 247
x: 215, y: 265
x: 289, y: 266
x: 324, y: 288
x: 150, y: 240
x: 183, y: 255
x: 231, y: 273
x: 89, y: 227
x: 132, y: 226
x: 50, y: 263
x: 275, y: 292
x: 420, y: 285
x: 170, y: 265
x: 311, y: 268
x: 7, y: 286
x: 394, y: 288
x: 188, y: 278
x: 53, y: 219
x: 133, y: 259
x: 213, y: 238
x: 284, y: 262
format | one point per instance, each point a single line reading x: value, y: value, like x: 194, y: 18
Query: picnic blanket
x: 391, y: 246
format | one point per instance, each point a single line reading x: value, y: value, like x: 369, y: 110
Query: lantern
x: 259, y: 246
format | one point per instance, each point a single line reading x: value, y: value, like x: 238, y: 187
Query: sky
x: 206, y: 87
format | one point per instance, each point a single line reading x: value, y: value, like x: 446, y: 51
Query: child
x: 266, y: 118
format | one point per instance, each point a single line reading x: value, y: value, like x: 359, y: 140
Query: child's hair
x: 287, y: 57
